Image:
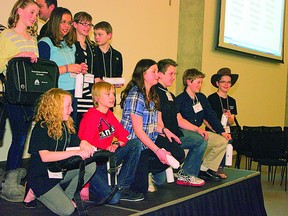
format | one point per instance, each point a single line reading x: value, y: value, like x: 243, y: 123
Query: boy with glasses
x: 224, y: 105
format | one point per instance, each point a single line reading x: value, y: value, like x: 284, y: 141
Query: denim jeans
x: 196, y: 145
x: 129, y: 156
x: 20, y: 118
x: 140, y: 183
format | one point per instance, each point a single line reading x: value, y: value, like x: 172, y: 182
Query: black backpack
x: 26, y: 81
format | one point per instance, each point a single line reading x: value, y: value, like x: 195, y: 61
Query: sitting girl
x: 52, y: 134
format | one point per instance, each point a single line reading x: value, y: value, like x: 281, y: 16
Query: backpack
x: 26, y: 81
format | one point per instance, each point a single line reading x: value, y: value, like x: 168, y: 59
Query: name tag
x: 227, y: 129
x: 73, y: 75
x: 169, y: 96
x: 197, y: 107
x: 151, y: 128
x: 88, y: 78
x: 55, y: 175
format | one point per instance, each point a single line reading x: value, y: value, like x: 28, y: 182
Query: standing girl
x: 58, y: 46
x: 19, y: 40
x: 141, y: 118
x: 84, y: 53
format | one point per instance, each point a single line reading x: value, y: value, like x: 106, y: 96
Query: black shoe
x: 31, y: 204
x: 129, y: 195
x: 209, y: 175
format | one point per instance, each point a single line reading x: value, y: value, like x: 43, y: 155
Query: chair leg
x: 238, y: 161
x: 274, y: 175
x: 269, y: 170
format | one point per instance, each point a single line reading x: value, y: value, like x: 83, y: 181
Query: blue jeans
x: 140, y: 183
x: 196, y: 145
x: 129, y: 155
x: 20, y: 118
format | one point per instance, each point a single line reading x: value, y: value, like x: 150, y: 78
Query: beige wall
x: 261, y: 89
x: 142, y: 29
x: 149, y: 29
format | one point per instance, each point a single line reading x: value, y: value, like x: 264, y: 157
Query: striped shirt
x: 12, y: 43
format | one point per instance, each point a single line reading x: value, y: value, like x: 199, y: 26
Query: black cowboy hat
x: 222, y: 72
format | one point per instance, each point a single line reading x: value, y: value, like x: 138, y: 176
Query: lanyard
x: 104, y: 63
x: 64, y: 53
x: 92, y: 58
x: 66, y: 137
x: 222, y: 103
x: 196, y: 99
x: 163, y: 89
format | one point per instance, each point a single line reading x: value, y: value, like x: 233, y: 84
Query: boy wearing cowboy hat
x: 223, y: 105
x: 220, y: 101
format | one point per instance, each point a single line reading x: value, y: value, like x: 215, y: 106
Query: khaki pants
x: 215, y: 151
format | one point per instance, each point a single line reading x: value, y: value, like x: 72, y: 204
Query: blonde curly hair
x: 50, y: 112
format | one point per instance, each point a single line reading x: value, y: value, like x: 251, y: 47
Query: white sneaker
x: 187, y: 180
x: 152, y: 187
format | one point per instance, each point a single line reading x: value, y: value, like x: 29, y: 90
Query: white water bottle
x: 169, y: 175
x: 229, y: 155
x: 172, y: 161
x: 79, y: 86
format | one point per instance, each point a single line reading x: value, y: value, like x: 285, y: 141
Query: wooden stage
x: 240, y: 194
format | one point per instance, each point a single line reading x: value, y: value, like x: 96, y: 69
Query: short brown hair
x: 191, y: 74
x: 104, y: 26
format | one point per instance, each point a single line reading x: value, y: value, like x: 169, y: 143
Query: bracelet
x: 163, y: 132
x: 66, y: 66
x: 156, y: 150
x: 116, y: 143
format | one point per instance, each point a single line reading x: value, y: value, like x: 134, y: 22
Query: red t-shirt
x: 99, y: 128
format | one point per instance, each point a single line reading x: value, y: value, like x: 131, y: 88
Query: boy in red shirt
x: 101, y: 128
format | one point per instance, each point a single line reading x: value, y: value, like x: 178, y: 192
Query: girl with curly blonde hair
x: 50, y: 140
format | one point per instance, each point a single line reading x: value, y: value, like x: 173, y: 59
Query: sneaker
x: 31, y: 204
x: 152, y: 187
x: 129, y: 195
x: 187, y: 180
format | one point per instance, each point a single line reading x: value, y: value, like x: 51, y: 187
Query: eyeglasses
x: 226, y: 82
x: 63, y: 22
x: 86, y: 24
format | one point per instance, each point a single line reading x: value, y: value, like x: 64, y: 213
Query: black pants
x: 155, y: 165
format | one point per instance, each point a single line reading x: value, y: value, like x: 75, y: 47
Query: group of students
x: 154, y: 122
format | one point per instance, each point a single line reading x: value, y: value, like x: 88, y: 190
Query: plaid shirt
x: 135, y: 104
